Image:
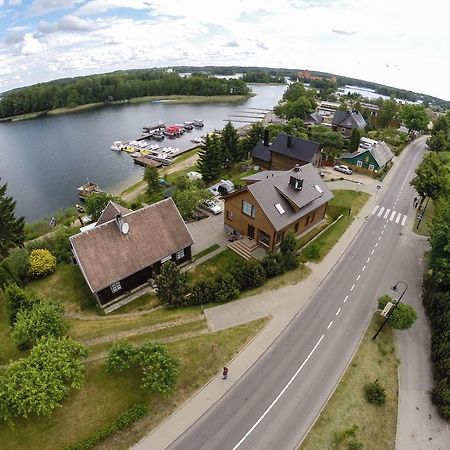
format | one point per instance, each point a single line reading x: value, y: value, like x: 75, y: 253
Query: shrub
x: 17, y: 265
x: 343, y: 435
x: 42, y: 263
x: 288, y: 244
x: 225, y: 288
x: 127, y: 418
x: 273, y: 264
x: 202, y: 292
x: 400, y: 318
x: 312, y: 251
x: 120, y: 357
x: 290, y: 261
x: 5, y: 278
x: 354, y: 445
x: 441, y: 397
x: 375, y: 393
x: 18, y: 299
x: 249, y: 275
x: 45, y: 318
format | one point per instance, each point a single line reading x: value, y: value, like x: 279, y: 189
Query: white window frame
x: 115, y: 287
x: 166, y: 258
x: 180, y: 254
x: 371, y: 167
x: 359, y: 163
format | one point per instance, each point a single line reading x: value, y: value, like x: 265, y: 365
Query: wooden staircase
x: 243, y: 247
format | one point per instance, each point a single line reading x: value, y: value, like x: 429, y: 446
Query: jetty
x: 146, y: 161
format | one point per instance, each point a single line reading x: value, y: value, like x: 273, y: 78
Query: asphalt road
x: 276, y: 402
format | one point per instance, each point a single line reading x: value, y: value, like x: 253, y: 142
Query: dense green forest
x: 115, y: 86
x: 262, y: 77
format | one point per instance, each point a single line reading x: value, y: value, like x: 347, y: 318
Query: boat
x: 117, y: 146
x: 162, y: 158
x: 158, y: 135
x: 188, y: 126
x: 154, y: 147
x: 79, y: 208
x: 154, y: 126
x: 196, y: 141
x: 86, y: 189
x: 144, y: 152
x: 135, y: 154
x: 129, y: 149
x: 198, y: 123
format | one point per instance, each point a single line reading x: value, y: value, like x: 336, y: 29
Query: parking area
x: 207, y: 232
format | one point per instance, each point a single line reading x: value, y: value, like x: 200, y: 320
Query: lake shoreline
x: 173, y: 99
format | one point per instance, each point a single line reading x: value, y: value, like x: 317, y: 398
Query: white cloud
x: 41, y: 7
x: 73, y: 23
x: 31, y: 46
x: 101, y: 6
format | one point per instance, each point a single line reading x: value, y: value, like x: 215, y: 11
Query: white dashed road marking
x: 329, y: 325
x: 338, y: 311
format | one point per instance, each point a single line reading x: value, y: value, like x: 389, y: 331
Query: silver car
x: 343, y: 169
x: 211, y: 207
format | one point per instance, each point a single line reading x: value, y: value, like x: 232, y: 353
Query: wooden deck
x: 244, y: 247
x: 143, y: 161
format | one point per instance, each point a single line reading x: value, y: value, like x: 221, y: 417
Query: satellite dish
x: 125, y: 228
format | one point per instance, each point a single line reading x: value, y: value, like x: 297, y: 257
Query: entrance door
x: 251, y: 231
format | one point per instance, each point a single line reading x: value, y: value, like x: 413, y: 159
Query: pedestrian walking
x: 225, y: 373
x: 414, y: 201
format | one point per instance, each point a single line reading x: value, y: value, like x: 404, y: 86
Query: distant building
x: 314, y: 119
x: 276, y: 202
x: 345, y: 121
x: 285, y: 152
x: 126, y: 248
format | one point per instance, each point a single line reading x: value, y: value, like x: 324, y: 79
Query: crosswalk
x: 389, y: 214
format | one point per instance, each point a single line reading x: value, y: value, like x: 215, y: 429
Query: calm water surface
x: 44, y: 160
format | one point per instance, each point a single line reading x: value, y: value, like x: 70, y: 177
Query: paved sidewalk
x: 281, y: 305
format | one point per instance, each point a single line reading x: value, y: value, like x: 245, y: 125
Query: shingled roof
x: 349, y: 119
x: 262, y: 152
x: 106, y: 255
x: 295, y: 204
x: 294, y: 147
x: 111, y: 211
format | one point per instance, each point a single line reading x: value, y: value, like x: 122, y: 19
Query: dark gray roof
x: 300, y: 149
x: 314, y: 118
x: 349, y: 119
x: 295, y: 203
x: 379, y: 150
x: 262, y: 175
x: 261, y: 152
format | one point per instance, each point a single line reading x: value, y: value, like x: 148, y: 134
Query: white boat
x: 198, y: 123
x: 117, y: 146
x: 188, y: 126
x: 154, y: 147
x: 196, y: 141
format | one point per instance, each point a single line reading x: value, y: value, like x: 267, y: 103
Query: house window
x: 359, y: 163
x: 248, y: 209
x: 263, y: 238
x: 371, y: 167
x: 278, y: 238
x: 296, y: 228
x: 229, y: 214
x: 166, y: 258
x: 116, y: 287
x: 179, y: 255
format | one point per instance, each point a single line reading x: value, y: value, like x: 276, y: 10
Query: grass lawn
x: 68, y: 286
x: 348, y: 406
x: 341, y: 203
x: 84, y: 411
x: 145, y: 302
x: 427, y: 217
x: 222, y: 262
x: 86, y: 329
x: 207, y: 251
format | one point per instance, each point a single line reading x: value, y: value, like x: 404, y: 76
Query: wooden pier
x: 144, y: 161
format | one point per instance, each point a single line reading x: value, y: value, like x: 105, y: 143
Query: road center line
x: 279, y: 395
x: 346, y: 298
x: 379, y: 238
x: 353, y: 287
x: 364, y: 268
x: 368, y: 259
x: 338, y: 311
x: 376, y: 243
x: 382, y: 231
x: 371, y: 253
x: 358, y: 277
x: 329, y: 325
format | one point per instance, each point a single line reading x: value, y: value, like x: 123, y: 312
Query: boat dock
x: 145, y: 161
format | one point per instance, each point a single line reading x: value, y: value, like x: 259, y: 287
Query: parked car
x: 343, y: 169
x: 193, y: 176
x: 211, y: 206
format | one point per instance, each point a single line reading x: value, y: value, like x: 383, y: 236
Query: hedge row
x: 127, y: 418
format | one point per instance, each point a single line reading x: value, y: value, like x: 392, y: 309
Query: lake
x: 44, y: 160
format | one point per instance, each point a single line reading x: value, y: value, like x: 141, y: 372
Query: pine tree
x: 211, y: 157
x: 11, y: 229
x: 355, y: 139
x: 230, y: 142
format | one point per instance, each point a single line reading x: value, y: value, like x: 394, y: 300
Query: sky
x: 400, y: 43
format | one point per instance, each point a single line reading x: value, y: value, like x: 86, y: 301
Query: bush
x: 5, y: 278
x: 127, y: 418
x: 202, y: 292
x: 375, y: 393
x: 312, y: 251
x: 290, y: 261
x: 355, y: 445
x: 42, y: 263
x: 441, y: 397
x: 17, y: 265
x: 273, y: 264
x: 400, y: 318
x: 225, y: 288
x: 18, y: 299
x: 249, y: 275
x: 45, y: 318
x: 120, y: 357
x: 289, y: 243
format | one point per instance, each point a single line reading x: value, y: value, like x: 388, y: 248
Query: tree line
x: 262, y: 77
x: 117, y: 86
x: 433, y: 180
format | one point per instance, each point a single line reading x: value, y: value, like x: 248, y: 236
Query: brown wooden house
x: 285, y: 152
x: 126, y: 248
x: 276, y: 202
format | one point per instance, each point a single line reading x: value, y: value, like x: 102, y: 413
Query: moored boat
x: 198, y: 123
x: 117, y: 146
x: 86, y: 189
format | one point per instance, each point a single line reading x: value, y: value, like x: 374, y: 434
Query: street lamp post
x: 394, y: 288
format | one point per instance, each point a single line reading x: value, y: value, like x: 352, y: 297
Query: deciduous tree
x: 151, y: 177
x: 96, y: 203
x: 402, y: 317
x: 414, y: 117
